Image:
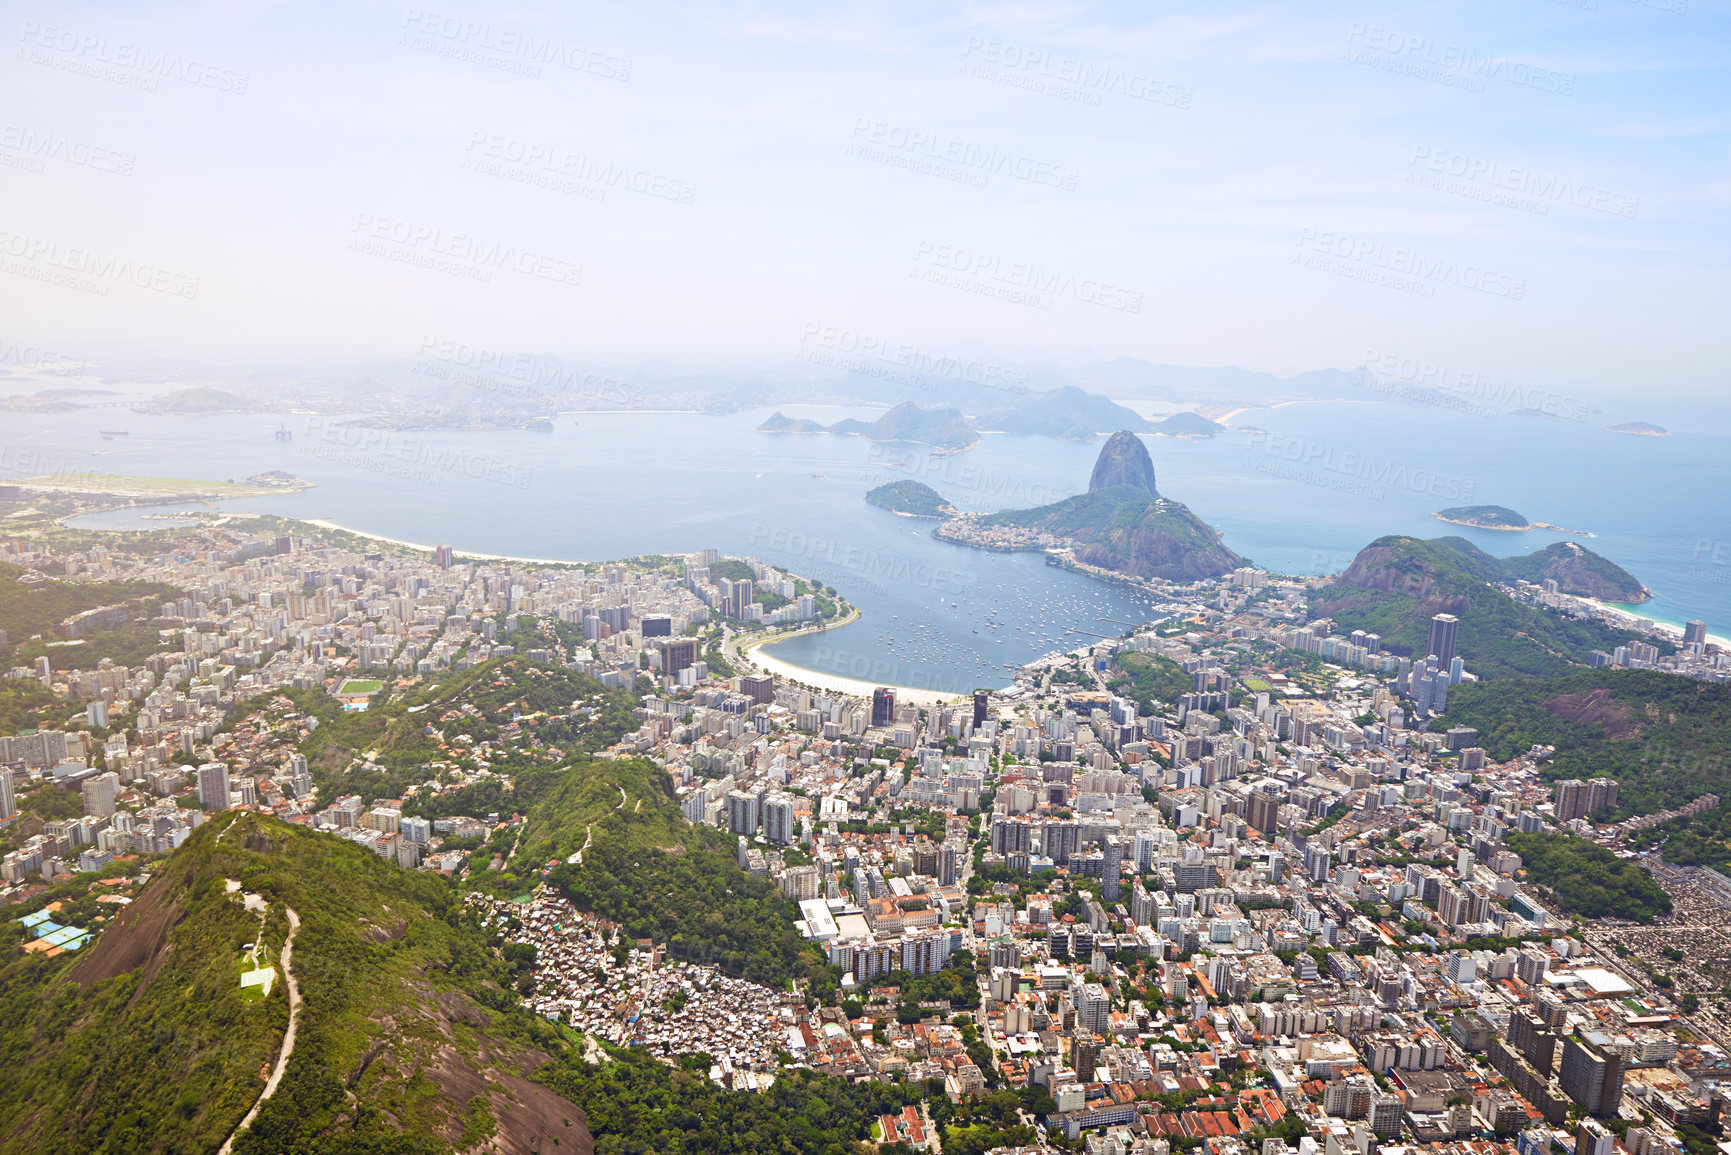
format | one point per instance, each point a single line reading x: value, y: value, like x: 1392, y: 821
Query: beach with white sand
x: 751, y: 653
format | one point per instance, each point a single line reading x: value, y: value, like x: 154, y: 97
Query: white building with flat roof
x: 819, y: 923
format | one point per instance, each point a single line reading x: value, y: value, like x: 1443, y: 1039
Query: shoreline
x: 1631, y: 616
x: 748, y: 653
x: 1545, y: 525
x: 751, y: 653
x: 326, y: 523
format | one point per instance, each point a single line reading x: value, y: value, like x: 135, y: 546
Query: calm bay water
x: 1302, y: 494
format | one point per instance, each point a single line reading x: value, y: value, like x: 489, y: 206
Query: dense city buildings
x: 1236, y: 879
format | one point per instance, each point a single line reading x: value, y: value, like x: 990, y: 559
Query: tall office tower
x: 677, y: 654
x: 1011, y: 835
x: 742, y: 812
x: 1113, y: 857
x: 1264, y: 810
x: 949, y: 864
x: 1694, y: 633
x: 1093, y: 1008
x: 1601, y: 794
x: 1144, y: 848
x: 213, y: 786
x: 442, y: 557
x: 1085, y: 1053
x: 1592, y: 1077
x: 1591, y: 1138
x: 981, y: 698
x: 883, y: 706
x: 778, y: 821
x: 8, y: 802
x: 99, y: 794
x: 1572, y: 798
x: 1529, y: 1034
x: 657, y: 626
x: 1531, y: 966
x: 742, y: 597
x: 1141, y: 904
x: 759, y: 688
x: 1443, y: 628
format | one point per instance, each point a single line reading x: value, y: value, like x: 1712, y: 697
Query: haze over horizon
x: 1537, y: 191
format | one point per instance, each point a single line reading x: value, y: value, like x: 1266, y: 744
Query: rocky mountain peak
x: 1123, y: 460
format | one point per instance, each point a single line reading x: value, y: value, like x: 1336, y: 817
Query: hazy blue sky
x: 1533, y: 187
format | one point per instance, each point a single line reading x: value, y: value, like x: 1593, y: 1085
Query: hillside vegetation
x: 1663, y: 738
x: 1397, y: 584
x: 914, y: 498
x: 1586, y: 879
x: 40, y: 607
x: 408, y: 1038
x: 399, y: 742
x: 649, y: 869
x: 1155, y: 682
x: 638, y: 1104
x: 1125, y: 530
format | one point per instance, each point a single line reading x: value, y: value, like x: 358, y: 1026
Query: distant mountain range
x: 944, y: 429
x: 997, y: 393
x: 1068, y: 414
x: 443, y: 388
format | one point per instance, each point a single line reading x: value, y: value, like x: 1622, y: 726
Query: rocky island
x: 910, y: 499
x: 1188, y: 424
x: 1639, y: 429
x: 1498, y: 517
x: 1121, y: 524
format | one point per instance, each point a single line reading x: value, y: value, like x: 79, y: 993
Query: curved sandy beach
x: 751, y: 653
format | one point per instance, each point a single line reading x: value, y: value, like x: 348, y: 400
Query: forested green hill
x: 1396, y: 584
x: 408, y: 1040
x: 1663, y: 738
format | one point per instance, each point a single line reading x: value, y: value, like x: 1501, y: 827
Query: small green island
x: 910, y: 499
x: 1639, y: 429
x: 1188, y: 424
x: 1499, y: 517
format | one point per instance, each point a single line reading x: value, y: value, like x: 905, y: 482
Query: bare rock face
x: 1123, y: 460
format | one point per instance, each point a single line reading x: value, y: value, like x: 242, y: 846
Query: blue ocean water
x: 1301, y: 491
